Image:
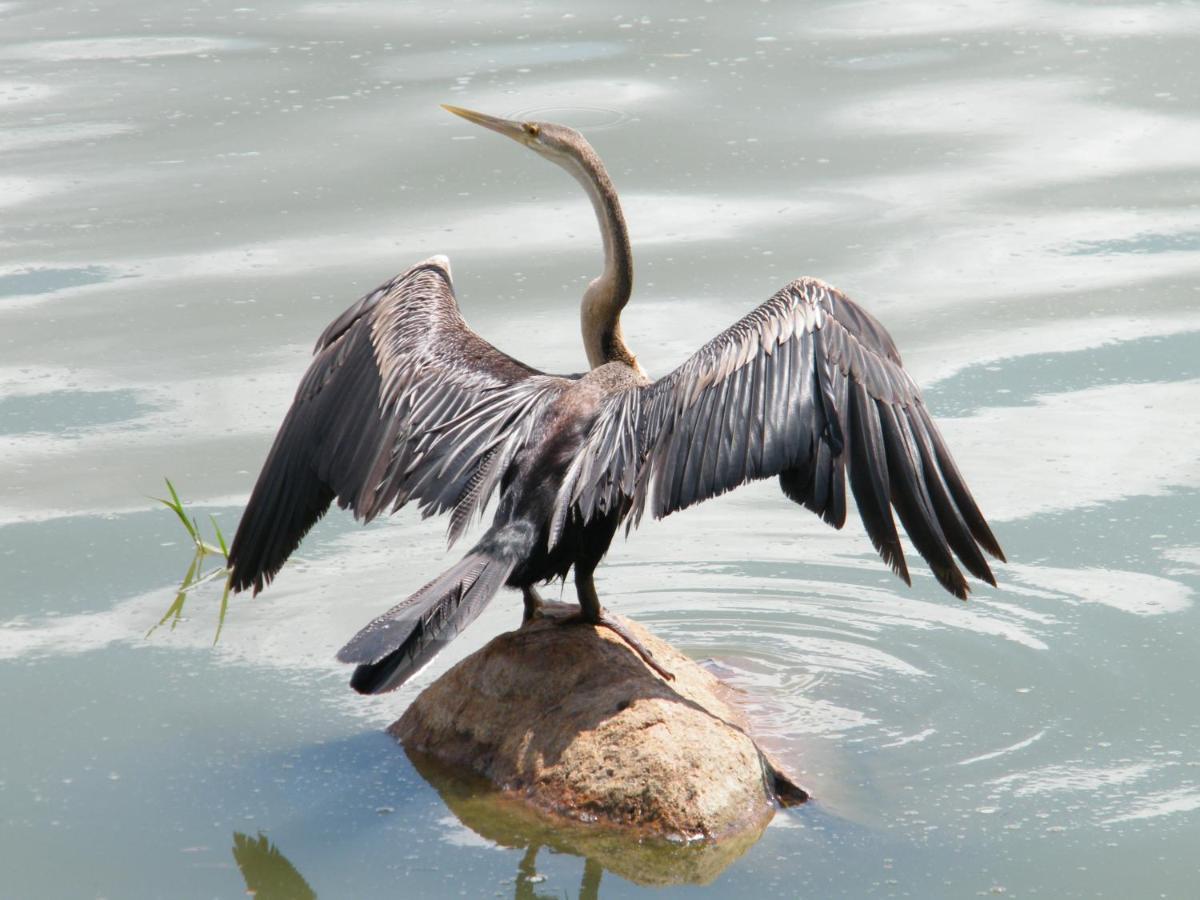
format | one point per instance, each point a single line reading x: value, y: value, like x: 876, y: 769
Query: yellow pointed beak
x: 506, y: 127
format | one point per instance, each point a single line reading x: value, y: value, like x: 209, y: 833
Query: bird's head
x: 607, y: 295
x: 557, y: 143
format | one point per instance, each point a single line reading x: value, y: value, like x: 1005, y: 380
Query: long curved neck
x: 606, y: 296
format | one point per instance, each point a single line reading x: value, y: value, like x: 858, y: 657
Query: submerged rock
x: 570, y: 720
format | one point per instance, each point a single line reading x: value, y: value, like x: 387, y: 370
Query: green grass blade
x: 195, y: 576
x: 174, y: 494
x: 176, y: 506
x: 224, y: 609
x: 173, y: 610
x: 220, y: 537
x: 179, y: 513
x: 176, y: 609
x: 207, y: 577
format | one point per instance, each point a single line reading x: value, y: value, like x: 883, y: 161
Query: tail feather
x: 394, y: 646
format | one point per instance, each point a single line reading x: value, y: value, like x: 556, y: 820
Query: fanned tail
x: 394, y: 646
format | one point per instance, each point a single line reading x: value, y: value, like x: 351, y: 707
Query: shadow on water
x: 505, y: 820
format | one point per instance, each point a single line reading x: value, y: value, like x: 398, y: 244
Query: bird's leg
x: 589, y: 887
x: 533, y: 603
x: 592, y: 612
x: 527, y: 870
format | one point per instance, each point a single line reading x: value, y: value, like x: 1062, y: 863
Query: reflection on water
x: 509, y: 822
x: 527, y: 878
x: 269, y: 875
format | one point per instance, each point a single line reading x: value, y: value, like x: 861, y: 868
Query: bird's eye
x: 532, y: 129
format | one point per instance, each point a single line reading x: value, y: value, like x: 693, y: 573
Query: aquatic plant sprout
x: 195, y: 575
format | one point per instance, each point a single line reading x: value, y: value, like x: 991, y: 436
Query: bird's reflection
x: 507, y: 822
x: 269, y: 875
x: 267, y: 872
x: 589, y: 887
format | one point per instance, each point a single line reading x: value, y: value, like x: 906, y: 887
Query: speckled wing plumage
x: 403, y: 402
x: 807, y: 387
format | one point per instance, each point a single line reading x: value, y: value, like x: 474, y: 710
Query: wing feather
x: 402, y: 402
x: 808, y: 387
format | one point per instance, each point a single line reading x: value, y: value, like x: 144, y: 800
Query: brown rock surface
x: 569, y: 719
x: 505, y: 818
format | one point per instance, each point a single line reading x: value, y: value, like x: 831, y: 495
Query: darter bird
x: 405, y: 403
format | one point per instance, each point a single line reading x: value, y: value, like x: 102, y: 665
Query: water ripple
x: 142, y: 47
x: 466, y: 62
x: 1160, y: 803
x: 42, y: 136
x: 920, y: 17
x: 1073, y: 776
x: 1138, y: 593
x: 13, y: 93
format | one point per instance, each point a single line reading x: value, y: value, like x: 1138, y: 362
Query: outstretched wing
x: 403, y: 401
x: 807, y: 387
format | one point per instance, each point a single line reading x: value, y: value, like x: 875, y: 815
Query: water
x: 187, y: 197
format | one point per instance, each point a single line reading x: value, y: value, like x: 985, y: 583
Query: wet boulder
x: 570, y: 721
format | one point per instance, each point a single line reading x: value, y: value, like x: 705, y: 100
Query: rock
x: 570, y: 720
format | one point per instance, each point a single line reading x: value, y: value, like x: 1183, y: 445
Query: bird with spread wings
x: 403, y: 402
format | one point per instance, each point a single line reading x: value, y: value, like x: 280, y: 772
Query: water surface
x: 187, y: 197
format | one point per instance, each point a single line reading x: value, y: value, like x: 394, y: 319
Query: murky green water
x: 189, y: 194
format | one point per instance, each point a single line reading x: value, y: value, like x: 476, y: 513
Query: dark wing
x: 807, y: 387
x: 402, y: 402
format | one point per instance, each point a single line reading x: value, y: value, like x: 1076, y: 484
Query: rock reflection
x: 267, y: 872
x: 502, y: 819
